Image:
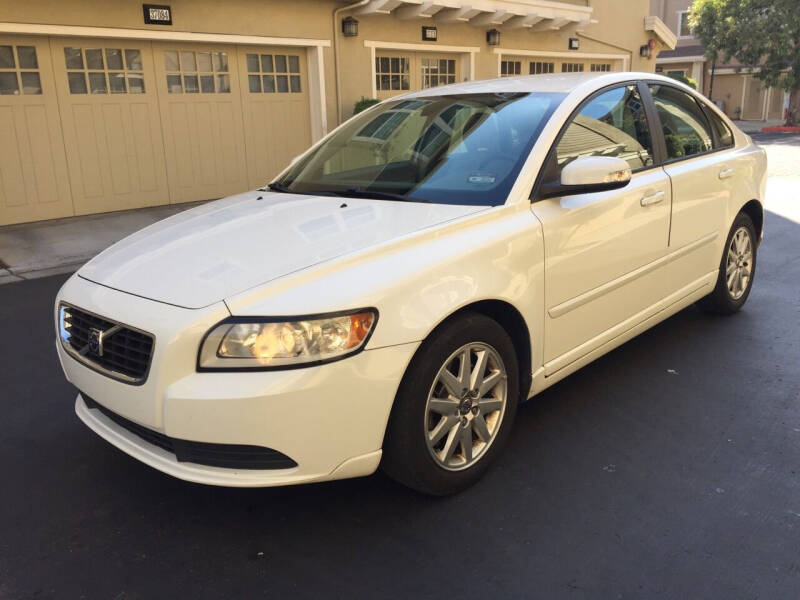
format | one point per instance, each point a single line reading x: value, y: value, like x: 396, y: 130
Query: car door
x: 701, y: 178
x: 601, y: 248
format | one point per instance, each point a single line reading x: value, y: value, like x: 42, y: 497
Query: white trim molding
x: 662, y: 32
x: 155, y: 35
x: 625, y: 58
x: 680, y: 59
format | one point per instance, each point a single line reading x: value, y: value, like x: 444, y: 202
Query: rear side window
x: 723, y: 132
x: 686, y: 129
x: 611, y: 124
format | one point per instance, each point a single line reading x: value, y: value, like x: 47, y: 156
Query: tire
x: 439, y: 443
x: 726, y: 300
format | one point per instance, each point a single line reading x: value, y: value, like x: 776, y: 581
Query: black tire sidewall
x: 406, y: 455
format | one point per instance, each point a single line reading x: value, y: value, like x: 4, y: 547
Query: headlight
x: 263, y: 343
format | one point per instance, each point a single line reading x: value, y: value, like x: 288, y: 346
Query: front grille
x: 125, y: 351
x: 228, y: 456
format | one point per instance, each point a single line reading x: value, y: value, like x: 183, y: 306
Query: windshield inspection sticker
x: 481, y: 178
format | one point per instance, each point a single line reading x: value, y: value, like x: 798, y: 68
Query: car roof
x: 554, y: 83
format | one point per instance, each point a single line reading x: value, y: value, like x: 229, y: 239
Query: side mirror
x: 589, y: 174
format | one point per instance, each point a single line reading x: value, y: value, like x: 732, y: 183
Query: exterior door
x: 274, y: 90
x: 109, y: 112
x: 34, y: 183
x: 598, y: 245
x: 201, y: 113
x: 701, y: 181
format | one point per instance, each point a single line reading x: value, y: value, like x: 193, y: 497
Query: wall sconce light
x: 349, y: 27
x: 493, y: 37
x: 574, y: 43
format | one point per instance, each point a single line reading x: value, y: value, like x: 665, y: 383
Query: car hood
x: 208, y: 253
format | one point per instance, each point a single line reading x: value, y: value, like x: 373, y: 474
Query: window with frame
x: 392, y: 73
x: 509, y: 68
x: 611, y: 124
x: 438, y: 71
x: 104, y: 70
x: 686, y: 129
x: 571, y: 67
x: 676, y: 73
x: 536, y: 67
x: 683, y: 24
x: 273, y: 73
x: 724, y: 134
x: 600, y: 67
x: 19, y: 71
x: 197, y: 72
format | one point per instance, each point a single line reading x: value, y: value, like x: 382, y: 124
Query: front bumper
x: 330, y: 419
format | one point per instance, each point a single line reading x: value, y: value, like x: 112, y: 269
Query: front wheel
x: 454, y: 408
x: 736, y: 270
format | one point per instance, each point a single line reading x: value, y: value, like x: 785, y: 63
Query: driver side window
x: 611, y: 124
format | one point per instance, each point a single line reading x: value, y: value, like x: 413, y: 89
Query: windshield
x: 454, y: 149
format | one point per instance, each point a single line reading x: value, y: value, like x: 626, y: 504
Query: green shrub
x: 684, y: 79
x: 364, y: 104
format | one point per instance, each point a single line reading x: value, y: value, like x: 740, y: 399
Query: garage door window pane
x: 114, y: 58
x: 294, y: 82
x: 190, y: 84
x: 223, y: 84
x: 686, y: 130
x: 280, y: 64
x: 116, y: 83
x: 171, y: 62
x: 94, y: 58
x: 187, y: 61
x: 283, y: 83
x: 269, y: 83
x: 254, y: 83
x: 31, y: 83
x: 8, y: 84
x: 133, y: 58
x: 77, y: 83
x: 97, y: 83
x: 220, y: 61
x: 73, y: 58
x: 6, y: 57
x: 207, y: 84
x: 252, y: 63
x: 27, y: 57
x: 266, y: 64
x: 204, y: 62
x: 174, y: 85
x: 135, y: 83
x: 294, y: 64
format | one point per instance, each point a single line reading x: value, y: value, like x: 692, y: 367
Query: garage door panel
x: 34, y: 183
x: 113, y: 136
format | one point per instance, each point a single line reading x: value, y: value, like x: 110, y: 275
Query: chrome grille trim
x: 125, y: 352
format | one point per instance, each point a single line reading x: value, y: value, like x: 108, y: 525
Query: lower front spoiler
x: 166, y: 462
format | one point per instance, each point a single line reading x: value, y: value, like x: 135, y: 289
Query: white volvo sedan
x: 394, y: 294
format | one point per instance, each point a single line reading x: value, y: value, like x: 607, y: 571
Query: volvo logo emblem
x: 96, y: 341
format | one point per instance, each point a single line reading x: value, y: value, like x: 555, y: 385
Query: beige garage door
x: 775, y: 104
x: 201, y: 114
x: 753, y: 108
x: 34, y: 183
x: 112, y: 129
x: 273, y: 85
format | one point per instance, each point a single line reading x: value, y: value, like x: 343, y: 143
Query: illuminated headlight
x: 262, y: 343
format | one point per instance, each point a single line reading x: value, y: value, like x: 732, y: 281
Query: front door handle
x: 652, y: 199
x: 725, y: 173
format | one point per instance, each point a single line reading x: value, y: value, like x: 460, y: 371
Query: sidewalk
x: 31, y: 250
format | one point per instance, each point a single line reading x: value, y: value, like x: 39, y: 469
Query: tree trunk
x: 793, y: 113
x: 711, y: 81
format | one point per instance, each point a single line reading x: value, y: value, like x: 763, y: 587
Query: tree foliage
x: 764, y: 33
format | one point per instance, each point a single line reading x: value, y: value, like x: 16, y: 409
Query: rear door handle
x: 725, y: 173
x: 652, y: 199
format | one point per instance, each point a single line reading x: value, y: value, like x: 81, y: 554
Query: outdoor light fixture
x: 493, y: 37
x: 429, y: 34
x: 574, y: 44
x: 644, y: 51
x: 349, y: 27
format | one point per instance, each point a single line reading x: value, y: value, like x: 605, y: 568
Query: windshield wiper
x: 277, y: 186
x: 357, y: 192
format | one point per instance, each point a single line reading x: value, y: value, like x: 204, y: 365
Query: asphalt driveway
x: 668, y: 468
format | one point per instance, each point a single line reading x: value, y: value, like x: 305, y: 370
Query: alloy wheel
x: 739, y: 263
x: 465, y: 406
